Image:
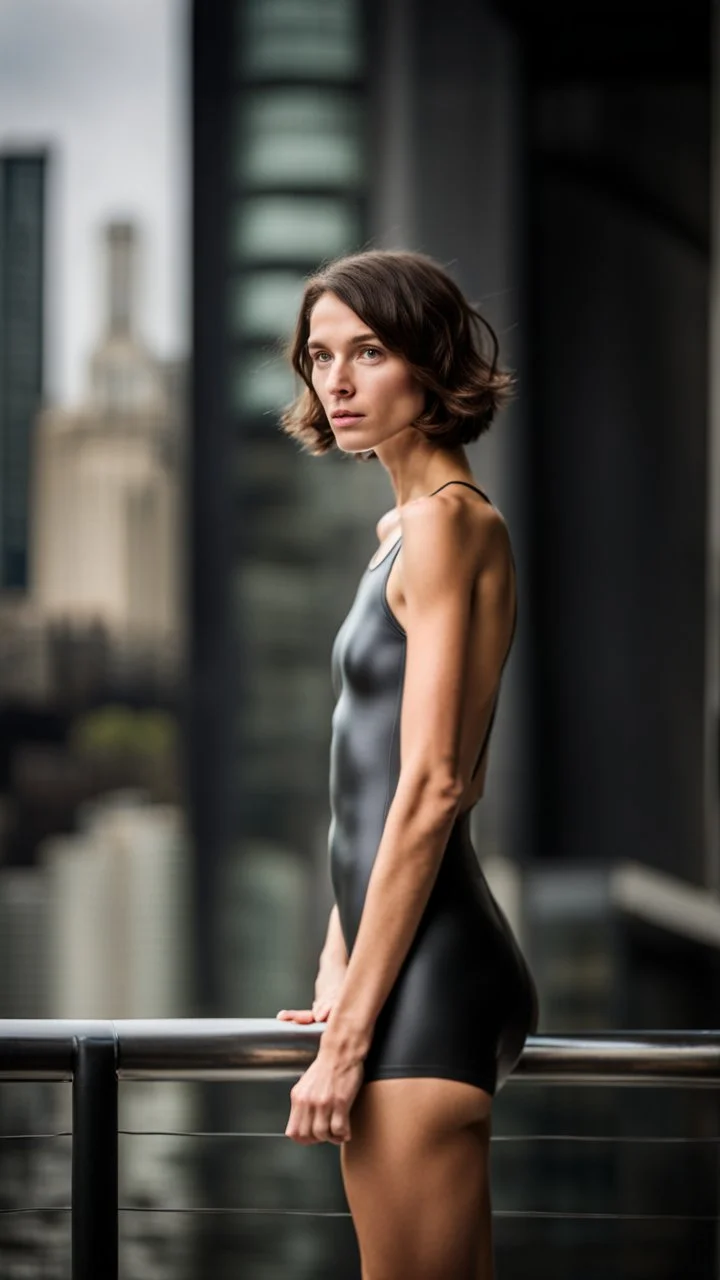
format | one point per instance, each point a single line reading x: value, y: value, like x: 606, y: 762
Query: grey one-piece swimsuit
x: 464, y: 1000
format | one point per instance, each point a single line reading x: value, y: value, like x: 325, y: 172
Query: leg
x: 416, y: 1180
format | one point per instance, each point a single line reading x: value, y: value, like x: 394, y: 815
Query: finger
x: 321, y: 1012
x: 305, y: 1124
x: 339, y: 1126
x: 292, y: 1128
x: 295, y: 1015
x: 299, y: 1125
x: 321, y: 1125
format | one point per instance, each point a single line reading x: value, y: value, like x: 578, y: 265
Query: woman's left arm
x: 443, y: 561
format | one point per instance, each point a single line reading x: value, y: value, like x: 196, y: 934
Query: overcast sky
x: 104, y: 83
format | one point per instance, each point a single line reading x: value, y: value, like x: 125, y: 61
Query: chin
x: 349, y: 442
x: 357, y: 451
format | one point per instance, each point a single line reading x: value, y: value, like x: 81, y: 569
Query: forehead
x: 331, y: 315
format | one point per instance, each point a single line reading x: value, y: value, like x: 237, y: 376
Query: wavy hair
x: 418, y: 312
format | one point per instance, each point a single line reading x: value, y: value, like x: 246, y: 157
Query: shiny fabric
x: 464, y: 1000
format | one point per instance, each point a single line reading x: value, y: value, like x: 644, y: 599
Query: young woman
x: 426, y: 997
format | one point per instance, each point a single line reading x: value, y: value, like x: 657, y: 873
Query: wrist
x: 331, y: 960
x: 346, y: 1038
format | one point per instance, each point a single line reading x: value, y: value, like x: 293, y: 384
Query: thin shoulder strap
x: 467, y: 486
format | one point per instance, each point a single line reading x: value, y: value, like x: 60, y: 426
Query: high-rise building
x: 22, y: 280
x: 117, y: 929
x: 282, y: 176
x: 106, y: 535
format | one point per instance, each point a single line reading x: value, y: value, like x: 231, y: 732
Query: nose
x: 338, y: 381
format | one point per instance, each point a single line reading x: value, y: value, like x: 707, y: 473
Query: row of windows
x: 289, y: 227
x: 299, y: 39
x: 298, y: 137
x: 306, y: 141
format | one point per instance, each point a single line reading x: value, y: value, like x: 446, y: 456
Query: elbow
x: 435, y: 792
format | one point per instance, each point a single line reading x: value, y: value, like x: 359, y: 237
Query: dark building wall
x: 560, y: 165
x: 22, y: 270
x: 619, y: 224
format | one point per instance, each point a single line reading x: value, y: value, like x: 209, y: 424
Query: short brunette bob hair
x: 418, y: 312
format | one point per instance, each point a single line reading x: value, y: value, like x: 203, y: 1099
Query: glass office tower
x: 279, y: 538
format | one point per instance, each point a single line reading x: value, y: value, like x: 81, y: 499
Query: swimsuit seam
x: 373, y: 568
x: 383, y: 596
x: 437, y: 1071
x: 415, y: 1066
x: 390, y: 616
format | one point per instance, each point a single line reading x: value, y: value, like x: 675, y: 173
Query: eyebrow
x: 357, y: 341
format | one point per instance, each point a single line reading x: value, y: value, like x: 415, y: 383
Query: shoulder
x: 387, y: 523
x: 447, y: 533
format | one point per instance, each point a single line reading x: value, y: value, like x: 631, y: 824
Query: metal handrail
x: 253, y: 1048
x: 96, y: 1055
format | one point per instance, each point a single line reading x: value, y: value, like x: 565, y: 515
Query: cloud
x: 76, y: 44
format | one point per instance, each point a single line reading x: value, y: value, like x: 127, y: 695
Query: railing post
x: 95, y: 1156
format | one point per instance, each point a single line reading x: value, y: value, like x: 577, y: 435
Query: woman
x: 425, y: 995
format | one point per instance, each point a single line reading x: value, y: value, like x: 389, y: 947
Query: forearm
x: 405, y: 869
x: 334, y: 950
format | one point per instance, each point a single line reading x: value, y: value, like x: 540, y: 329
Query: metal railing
x: 96, y: 1055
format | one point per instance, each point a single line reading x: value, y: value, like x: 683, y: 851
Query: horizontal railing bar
x: 496, y: 1213
x: 37, y: 1208
x: 556, y: 1214
x: 278, y: 1133
x: 623, y: 1058
x: 496, y: 1137
x: 22, y: 1137
x: 40, y: 1048
x: 243, y: 1049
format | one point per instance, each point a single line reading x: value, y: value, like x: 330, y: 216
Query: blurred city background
x: 173, y: 570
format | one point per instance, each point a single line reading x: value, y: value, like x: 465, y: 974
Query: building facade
x: 106, y: 533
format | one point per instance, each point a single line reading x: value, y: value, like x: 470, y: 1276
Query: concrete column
x: 712, y: 632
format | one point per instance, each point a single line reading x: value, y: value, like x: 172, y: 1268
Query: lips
x: 345, y: 415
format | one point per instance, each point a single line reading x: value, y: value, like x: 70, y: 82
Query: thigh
x: 416, y: 1180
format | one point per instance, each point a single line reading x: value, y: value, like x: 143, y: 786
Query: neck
x: 417, y: 467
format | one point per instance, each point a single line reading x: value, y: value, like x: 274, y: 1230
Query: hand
x: 322, y: 1099
x: 328, y: 986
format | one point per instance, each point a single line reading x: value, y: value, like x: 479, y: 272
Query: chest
x: 368, y: 652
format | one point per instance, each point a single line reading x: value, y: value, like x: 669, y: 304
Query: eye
x: 317, y: 356
x: 375, y: 350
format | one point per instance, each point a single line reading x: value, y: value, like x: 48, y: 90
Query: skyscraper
x: 22, y: 255
x: 106, y: 484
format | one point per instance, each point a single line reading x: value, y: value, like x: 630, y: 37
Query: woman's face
x: 368, y: 393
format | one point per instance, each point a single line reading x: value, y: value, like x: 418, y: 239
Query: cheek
x: 413, y: 397
x: 404, y: 391
x: 316, y: 382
